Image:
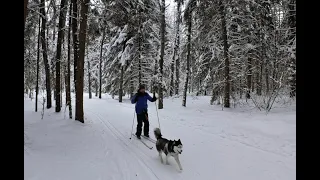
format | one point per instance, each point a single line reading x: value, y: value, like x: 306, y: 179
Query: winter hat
x: 141, y: 87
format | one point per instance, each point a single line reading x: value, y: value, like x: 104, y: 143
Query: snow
x: 223, y: 145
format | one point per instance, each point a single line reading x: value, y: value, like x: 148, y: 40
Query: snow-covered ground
x: 233, y: 144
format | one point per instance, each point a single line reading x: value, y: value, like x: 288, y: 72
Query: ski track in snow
x: 123, y: 139
x: 215, y: 147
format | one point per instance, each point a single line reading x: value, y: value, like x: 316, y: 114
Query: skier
x: 140, y: 98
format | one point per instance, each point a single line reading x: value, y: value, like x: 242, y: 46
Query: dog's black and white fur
x: 168, y: 147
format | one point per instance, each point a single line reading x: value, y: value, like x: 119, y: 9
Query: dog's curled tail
x: 157, y: 133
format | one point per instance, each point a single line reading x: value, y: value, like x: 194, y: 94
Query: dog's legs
x: 178, y: 161
x: 167, y: 157
x: 160, y: 157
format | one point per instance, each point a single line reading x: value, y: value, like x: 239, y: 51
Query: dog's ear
x: 179, y: 140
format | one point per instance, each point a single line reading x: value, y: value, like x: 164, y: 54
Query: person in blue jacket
x: 140, y: 99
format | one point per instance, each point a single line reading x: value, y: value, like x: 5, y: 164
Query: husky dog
x: 169, y: 147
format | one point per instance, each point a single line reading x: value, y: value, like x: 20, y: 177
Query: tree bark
x: 82, y: 47
x: 249, y: 76
x: 75, y: 39
x: 172, y: 77
x: 259, y: 79
x: 121, y: 84
x: 89, y: 70
x: 121, y: 74
x: 176, y: 48
x: 226, y: 57
x: 139, y: 48
x: 53, y: 64
x: 38, y: 60
x: 100, y: 62
x: 62, y: 22
x: 89, y: 80
x: 162, y: 31
x: 96, y: 86
x: 189, y: 24
x: 68, y: 75
x: 44, y: 53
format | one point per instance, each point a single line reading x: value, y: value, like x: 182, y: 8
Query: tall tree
x: 67, y: 67
x: 89, y: 70
x: 100, y: 60
x: 225, y: 54
x: 249, y: 76
x: 38, y: 61
x: 62, y: 22
x: 188, y: 18
x: 80, y: 66
x: 44, y: 52
x: 162, y: 46
x: 176, y: 53
x: 75, y: 39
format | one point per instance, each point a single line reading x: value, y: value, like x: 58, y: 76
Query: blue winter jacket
x: 141, y: 104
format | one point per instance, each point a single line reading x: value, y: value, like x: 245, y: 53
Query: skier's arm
x: 151, y: 99
x: 134, y: 99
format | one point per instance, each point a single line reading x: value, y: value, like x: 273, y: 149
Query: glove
x: 154, y: 98
x: 136, y: 98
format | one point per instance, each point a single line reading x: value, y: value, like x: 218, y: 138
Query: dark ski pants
x: 142, y: 118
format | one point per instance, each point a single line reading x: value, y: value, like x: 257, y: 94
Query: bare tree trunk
x: 62, y: 22
x: 54, y: 22
x: 253, y: 82
x: 75, y: 40
x: 38, y: 59
x: 100, y: 62
x: 162, y: 31
x: 121, y: 74
x: 61, y: 87
x: 139, y: 49
x: 177, y: 47
x: 68, y: 75
x: 259, y: 79
x: 172, y: 77
x: 89, y: 79
x: 53, y: 65
x: 44, y: 53
x: 189, y: 24
x: 267, y: 75
x: 175, y: 66
x: 226, y: 57
x: 82, y: 47
x: 249, y: 76
x: 121, y: 84
x: 89, y: 70
x: 96, y: 86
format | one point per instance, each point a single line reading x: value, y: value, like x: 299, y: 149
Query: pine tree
x: 44, y: 53
x: 80, y: 66
x: 62, y: 20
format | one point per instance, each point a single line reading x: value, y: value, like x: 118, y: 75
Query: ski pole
x: 157, y: 113
x: 134, y: 115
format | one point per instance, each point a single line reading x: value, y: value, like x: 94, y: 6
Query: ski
x: 149, y: 139
x: 144, y: 143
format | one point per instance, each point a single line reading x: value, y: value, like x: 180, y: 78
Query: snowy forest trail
x: 217, y: 144
x: 80, y: 151
x: 207, y: 153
